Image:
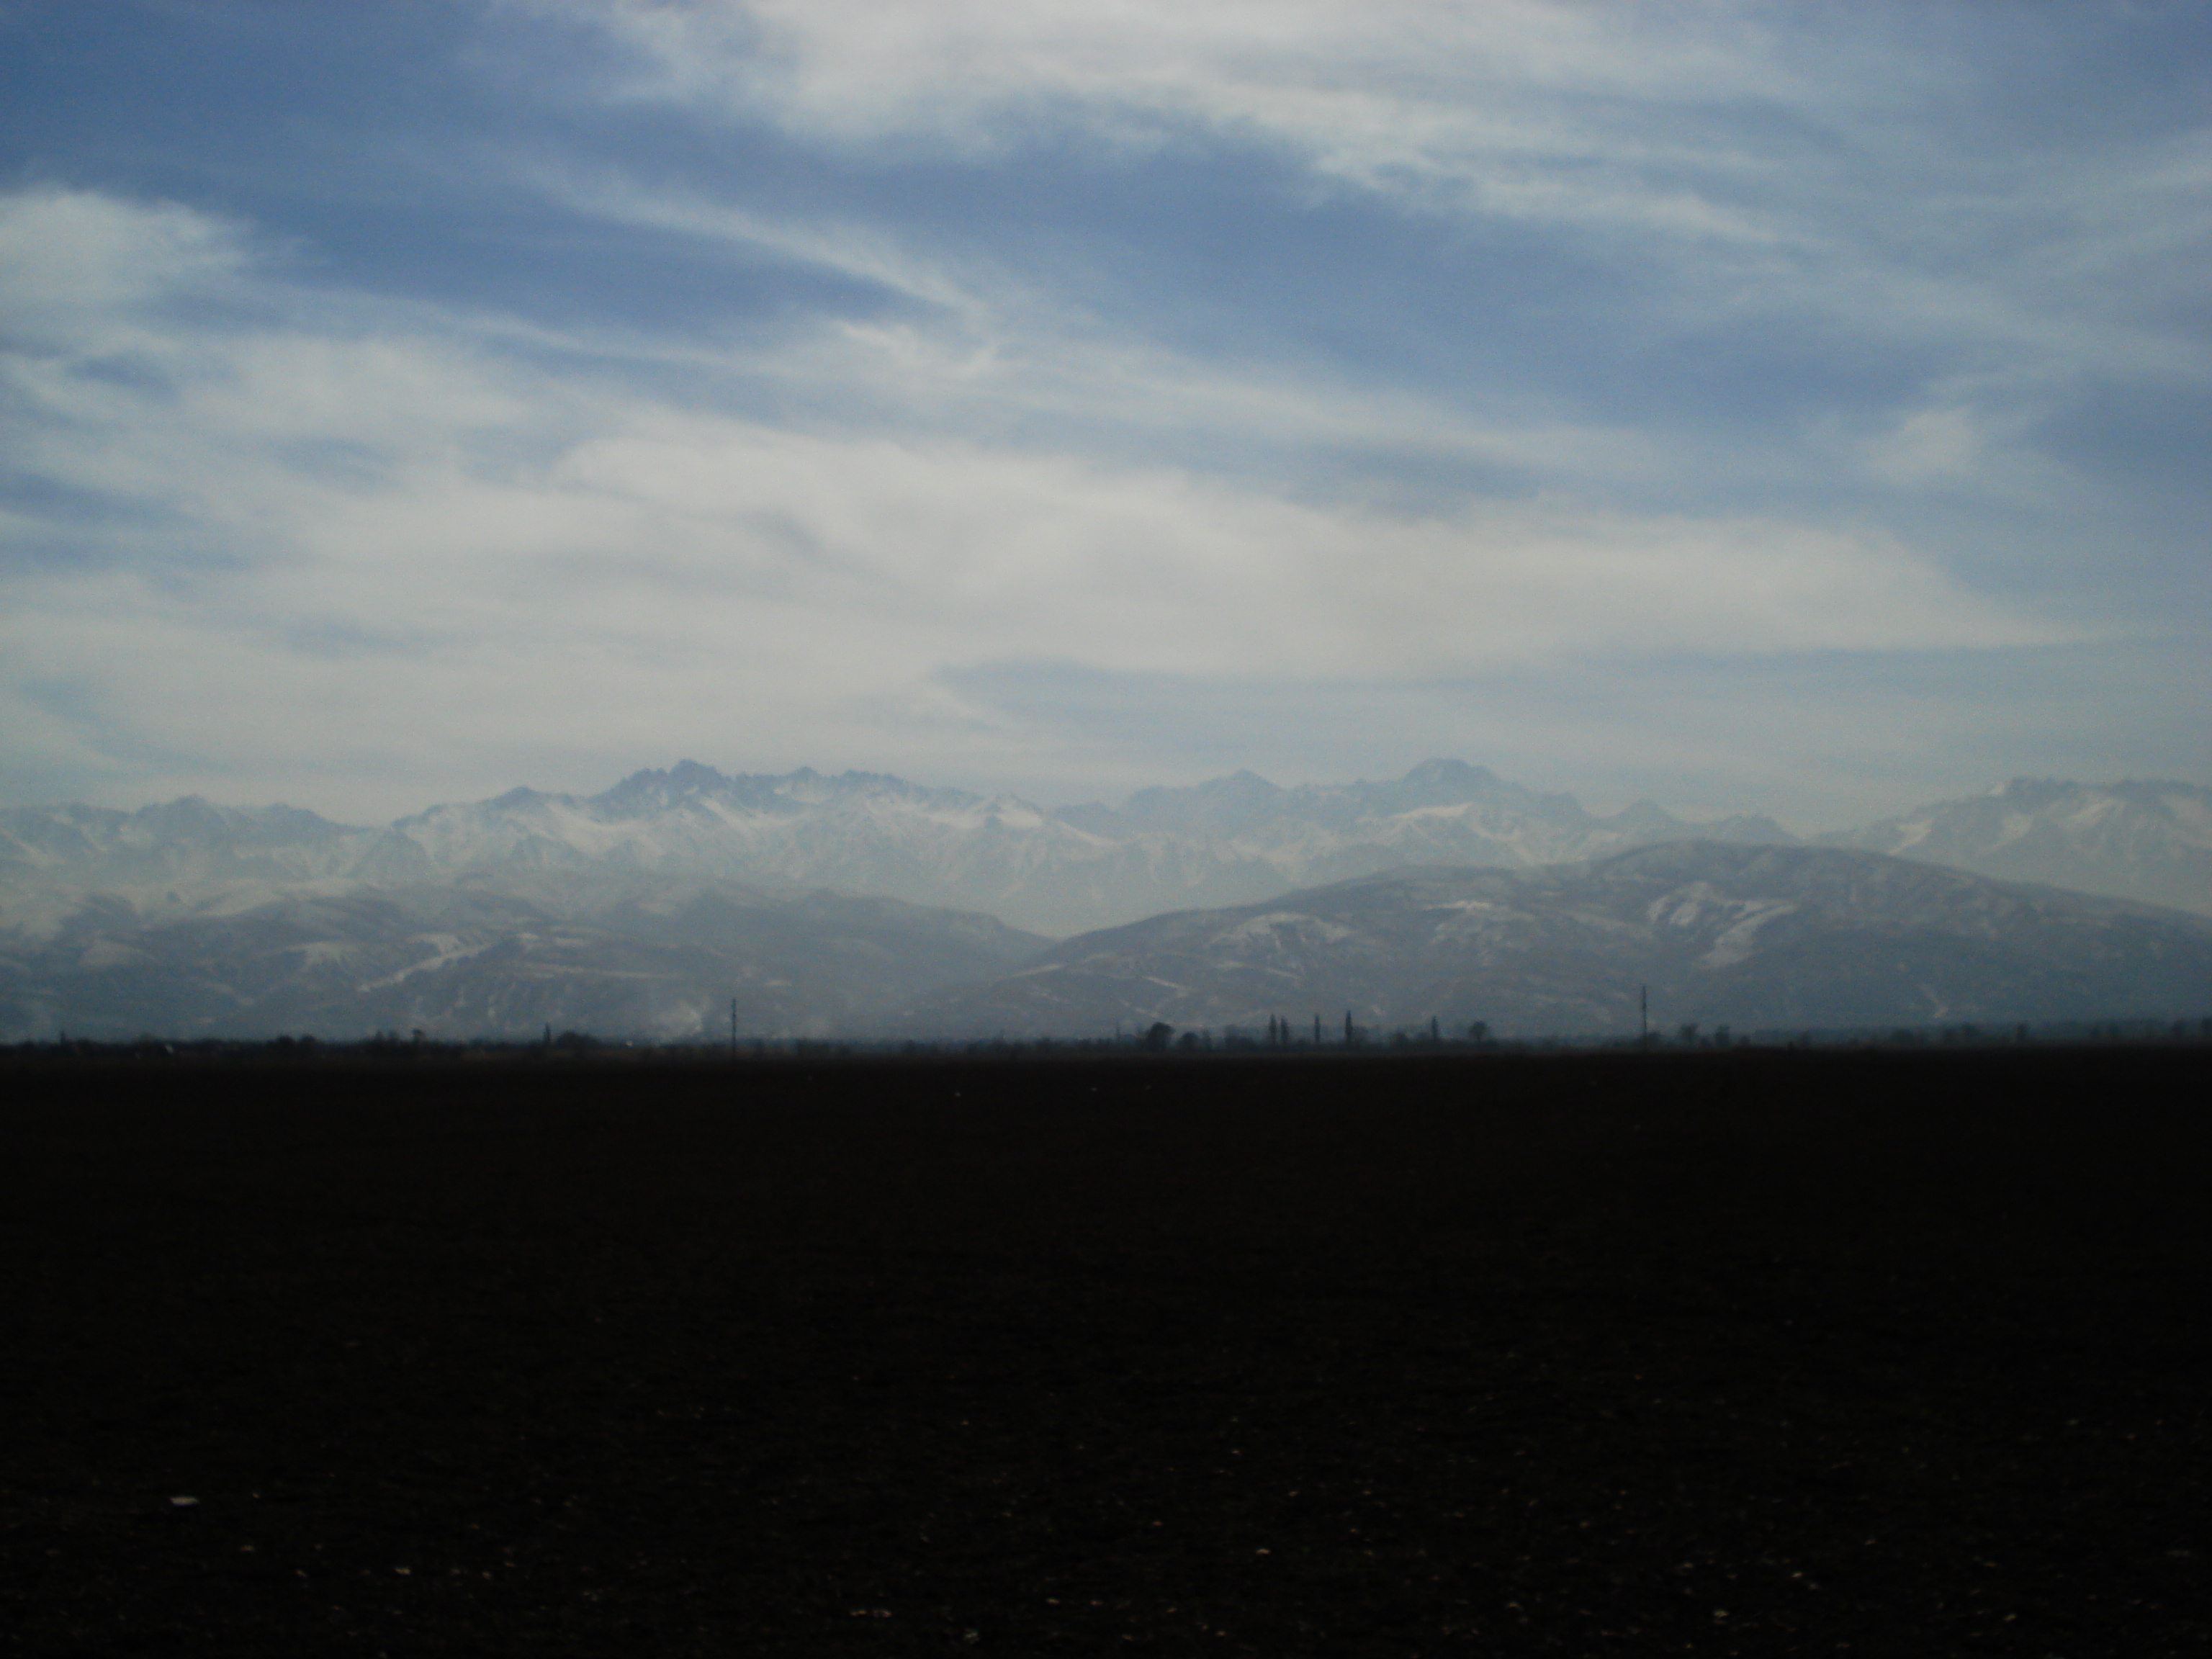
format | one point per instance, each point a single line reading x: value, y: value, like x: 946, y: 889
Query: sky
x: 1801, y: 409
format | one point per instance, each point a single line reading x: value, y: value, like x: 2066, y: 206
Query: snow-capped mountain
x: 1757, y: 936
x: 635, y: 908
x: 1234, y: 839
x: 180, y: 841
x: 1237, y: 838
x: 2151, y: 841
x: 635, y: 955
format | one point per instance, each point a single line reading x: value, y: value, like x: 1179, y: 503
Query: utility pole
x: 1644, y: 1014
x: 734, y: 1028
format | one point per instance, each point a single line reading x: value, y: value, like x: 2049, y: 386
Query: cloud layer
x: 984, y: 375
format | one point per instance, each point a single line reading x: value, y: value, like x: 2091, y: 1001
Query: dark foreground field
x: 1736, y: 1354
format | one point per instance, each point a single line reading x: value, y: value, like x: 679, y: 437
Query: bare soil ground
x: 1739, y: 1353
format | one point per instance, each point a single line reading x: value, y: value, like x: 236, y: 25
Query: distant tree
x: 1159, y: 1036
x: 1689, y: 1034
x: 1478, y: 1031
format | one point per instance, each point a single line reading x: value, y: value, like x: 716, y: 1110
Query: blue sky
x: 1789, y: 407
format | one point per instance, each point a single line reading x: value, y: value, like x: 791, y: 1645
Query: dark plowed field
x: 1740, y: 1353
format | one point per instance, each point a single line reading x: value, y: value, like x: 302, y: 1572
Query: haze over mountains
x: 653, y: 957
x: 1757, y: 936
x: 2151, y: 841
x: 827, y: 903
x: 1056, y: 871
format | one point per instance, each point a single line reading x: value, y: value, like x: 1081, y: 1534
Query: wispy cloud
x: 381, y: 537
x: 1504, y: 106
x: 1771, y: 161
x: 787, y: 383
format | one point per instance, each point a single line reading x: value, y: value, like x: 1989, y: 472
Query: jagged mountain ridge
x: 106, y: 885
x: 1234, y: 839
x: 1757, y: 936
x: 2147, y: 840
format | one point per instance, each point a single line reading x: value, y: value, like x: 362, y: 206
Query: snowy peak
x: 1645, y: 815
x: 1449, y: 780
x: 2150, y: 840
x: 1447, y: 783
x: 690, y: 785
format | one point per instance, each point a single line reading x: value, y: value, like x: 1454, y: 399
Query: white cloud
x: 389, y: 539
x: 1930, y: 444
x: 1510, y: 106
x: 1798, y: 165
x: 77, y: 262
x: 991, y: 347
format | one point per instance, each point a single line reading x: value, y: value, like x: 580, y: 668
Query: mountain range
x: 2151, y: 841
x: 634, y: 909
x: 649, y: 956
x: 1055, y: 871
x: 1756, y: 937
